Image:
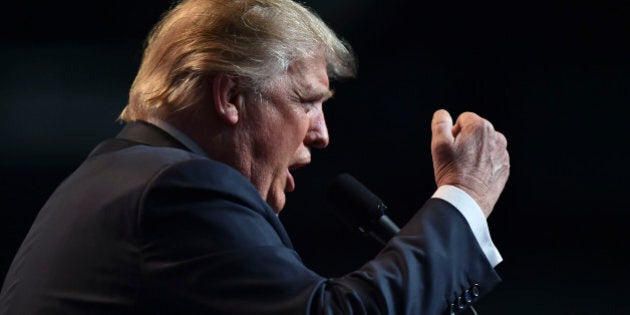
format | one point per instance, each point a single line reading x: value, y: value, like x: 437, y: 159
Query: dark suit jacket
x: 145, y: 227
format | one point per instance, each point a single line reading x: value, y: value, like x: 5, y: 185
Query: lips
x: 290, y: 185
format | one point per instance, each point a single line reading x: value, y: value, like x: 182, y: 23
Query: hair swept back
x: 253, y: 39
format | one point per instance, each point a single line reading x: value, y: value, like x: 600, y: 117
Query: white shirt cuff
x: 475, y: 218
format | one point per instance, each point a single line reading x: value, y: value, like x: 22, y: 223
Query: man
x: 178, y: 213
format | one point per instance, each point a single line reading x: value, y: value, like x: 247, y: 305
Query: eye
x: 310, y: 103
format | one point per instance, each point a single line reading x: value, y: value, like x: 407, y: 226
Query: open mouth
x: 290, y: 185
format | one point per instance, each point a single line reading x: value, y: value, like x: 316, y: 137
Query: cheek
x: 300, y: 134
x: 295, y: 132
x: 291, y: 143
x: 287, y: 136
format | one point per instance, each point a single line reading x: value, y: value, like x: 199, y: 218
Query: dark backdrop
x: 551, y: 75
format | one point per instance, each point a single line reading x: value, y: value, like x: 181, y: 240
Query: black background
x: 551, y: 75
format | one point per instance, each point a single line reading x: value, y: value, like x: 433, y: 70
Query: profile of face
x: 280, y: 127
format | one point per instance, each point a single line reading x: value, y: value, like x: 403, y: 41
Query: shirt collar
x: 179, y: 136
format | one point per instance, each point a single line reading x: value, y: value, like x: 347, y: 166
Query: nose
x: 317, y: 135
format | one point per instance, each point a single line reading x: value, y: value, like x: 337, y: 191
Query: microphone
x: 359, y: 208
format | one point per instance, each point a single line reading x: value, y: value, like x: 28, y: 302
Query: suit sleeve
x: 209, y: 246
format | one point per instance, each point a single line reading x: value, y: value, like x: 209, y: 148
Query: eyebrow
x: 317, y: 94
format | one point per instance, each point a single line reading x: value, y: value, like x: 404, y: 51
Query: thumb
x: 442, y: 127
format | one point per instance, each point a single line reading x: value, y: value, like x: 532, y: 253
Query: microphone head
x: 353, y: 201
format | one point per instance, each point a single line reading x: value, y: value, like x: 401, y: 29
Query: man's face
x: 282, y: 126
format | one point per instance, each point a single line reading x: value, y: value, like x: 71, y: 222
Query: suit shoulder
x: 204, y: 177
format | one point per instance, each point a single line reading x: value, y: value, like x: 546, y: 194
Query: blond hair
x: 252, y: 39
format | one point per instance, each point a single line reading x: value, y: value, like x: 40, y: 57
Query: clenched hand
x: 470, y: 155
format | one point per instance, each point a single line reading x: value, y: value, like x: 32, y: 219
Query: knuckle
x: 487, y: 125
x: 500, y: 139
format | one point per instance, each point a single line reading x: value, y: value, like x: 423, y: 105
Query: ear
x: 225, y: 96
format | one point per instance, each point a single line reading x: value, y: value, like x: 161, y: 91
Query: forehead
x: 309, y: 76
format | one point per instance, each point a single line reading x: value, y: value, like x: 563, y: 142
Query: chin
x: 277, y: 203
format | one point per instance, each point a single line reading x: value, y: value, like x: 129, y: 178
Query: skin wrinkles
x: 281, y: 127
x: 470, y: 155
